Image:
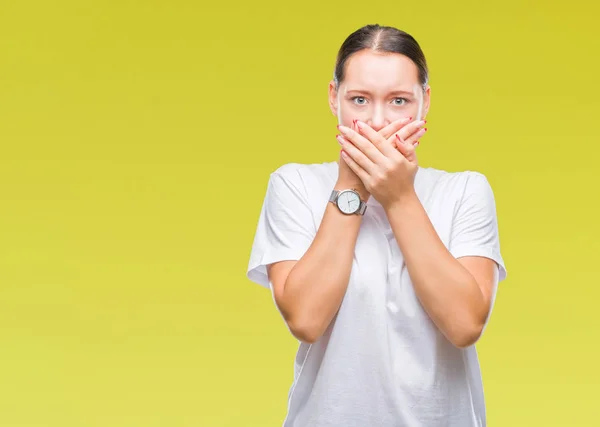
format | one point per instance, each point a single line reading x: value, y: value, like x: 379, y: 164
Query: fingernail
x: 339, y: 140
x: 424, y: 121
x: 359, y: 124
x: 425, y: 129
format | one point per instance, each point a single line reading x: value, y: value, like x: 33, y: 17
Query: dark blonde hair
x: 380, y: 39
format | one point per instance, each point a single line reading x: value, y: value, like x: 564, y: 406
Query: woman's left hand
x: 387, y: 172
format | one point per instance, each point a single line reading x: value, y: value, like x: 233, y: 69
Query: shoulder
x: 302, y: 188
x: 455, y: 184
x: 305, y: 175
x: 304, y: 169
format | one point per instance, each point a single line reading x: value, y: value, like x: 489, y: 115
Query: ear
x: 333, y: 105
x: 426, y: 101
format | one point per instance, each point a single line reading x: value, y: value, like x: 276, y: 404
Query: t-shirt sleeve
x: 475, y: 226
x: 285, y: 227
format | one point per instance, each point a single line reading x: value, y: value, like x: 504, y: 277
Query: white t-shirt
x: 382, y: 362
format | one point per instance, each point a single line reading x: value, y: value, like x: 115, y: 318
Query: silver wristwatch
x: 348, y: 202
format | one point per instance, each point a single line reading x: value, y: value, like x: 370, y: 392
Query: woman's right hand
x: 346, y: 176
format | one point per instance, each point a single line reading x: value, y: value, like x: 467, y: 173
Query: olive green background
x: 136, y: 141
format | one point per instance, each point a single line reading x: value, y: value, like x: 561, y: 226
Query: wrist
x: 403, y: 202
x: 359, y: 187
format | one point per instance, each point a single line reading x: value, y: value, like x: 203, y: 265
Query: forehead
x: 380, y: 70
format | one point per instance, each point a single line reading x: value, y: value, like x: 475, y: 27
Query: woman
x: 384, y: 271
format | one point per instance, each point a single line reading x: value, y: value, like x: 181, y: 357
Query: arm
x: 309, y: 269
x: 455, y: 293
x: 309, y: 292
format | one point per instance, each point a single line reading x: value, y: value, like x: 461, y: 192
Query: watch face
x: 348, y: 202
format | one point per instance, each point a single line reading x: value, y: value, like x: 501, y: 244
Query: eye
x: 354, y: 98
x: 404, y: 101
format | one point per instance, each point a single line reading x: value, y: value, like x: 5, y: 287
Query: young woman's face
x: 378, y: 89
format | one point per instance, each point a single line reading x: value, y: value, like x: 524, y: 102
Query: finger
x: 362, y: 143
x: 378, y: 141
x: 407, y: 150
x: 360, y: 172
x: 410, y: 129
x: 357, y: 155
x: 414, y: 138
x: 394, y: 127
x: 371, y: 134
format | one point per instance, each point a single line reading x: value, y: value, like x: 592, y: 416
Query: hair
x: 382, y: 39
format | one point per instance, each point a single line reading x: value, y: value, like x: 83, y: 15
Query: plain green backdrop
x: 136, y: 141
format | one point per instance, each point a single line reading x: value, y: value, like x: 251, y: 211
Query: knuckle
x: 397, y: 163
x: 390, y: 165
x: 379, y: 176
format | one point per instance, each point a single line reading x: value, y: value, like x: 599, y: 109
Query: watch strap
x: 334, y: 195
x: 362, y: 208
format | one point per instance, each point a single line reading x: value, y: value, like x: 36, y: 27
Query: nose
x: 377, y: 125
x: 377, y: 119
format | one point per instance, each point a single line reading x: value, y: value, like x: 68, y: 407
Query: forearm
x: 447, y: 291
x: 316, y: 285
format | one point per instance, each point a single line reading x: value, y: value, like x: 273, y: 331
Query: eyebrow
x: 394, y: 92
